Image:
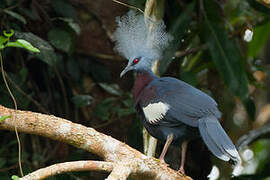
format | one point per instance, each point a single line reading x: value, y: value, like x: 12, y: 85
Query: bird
x: 171, y: 110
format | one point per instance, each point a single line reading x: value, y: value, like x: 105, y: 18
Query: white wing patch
x: 155, y: 112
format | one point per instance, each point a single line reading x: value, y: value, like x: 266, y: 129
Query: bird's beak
x: 128, y: 68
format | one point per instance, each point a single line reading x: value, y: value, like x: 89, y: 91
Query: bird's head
x: 137, y: 64
x: 137, y: 43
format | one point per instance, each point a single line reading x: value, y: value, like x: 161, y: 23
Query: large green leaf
x: 225, y: 53
x: 46, y: 54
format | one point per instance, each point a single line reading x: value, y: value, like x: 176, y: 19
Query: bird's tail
x: 217, y: 140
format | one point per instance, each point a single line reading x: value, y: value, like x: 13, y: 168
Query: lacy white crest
x: 134, y: 39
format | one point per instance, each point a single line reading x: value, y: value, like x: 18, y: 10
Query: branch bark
x: 120, y: 172
x: 110, y: 149
x: 69, y: 167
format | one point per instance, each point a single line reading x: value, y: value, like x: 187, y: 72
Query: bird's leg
x: 165, y: 148
x: 183, y: 156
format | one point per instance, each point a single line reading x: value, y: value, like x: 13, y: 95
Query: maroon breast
x: 141, y: 81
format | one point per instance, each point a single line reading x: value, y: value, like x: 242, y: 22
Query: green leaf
x: 15, y: 15
x: 60, y: 39
x: 260, y: 35
x: 46, y: 54
x: 27, y: 45
x: 2, y: 46
x: 224, y: 52
x: 72, y: 24
x: 82, y: 100
x: 3, y: 40
x: 21, y: 43
x: 2, y: 118
x: 14, y: 177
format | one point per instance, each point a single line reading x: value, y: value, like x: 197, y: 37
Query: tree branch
x: 120, y: 172
x: 69, y: 167
x: 110, y: 149
x: 265, y: 2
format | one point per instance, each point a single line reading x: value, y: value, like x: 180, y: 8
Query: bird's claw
x: 164, y: 163
x: 181, y: 170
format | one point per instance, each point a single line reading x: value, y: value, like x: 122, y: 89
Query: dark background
x: 76, y: 76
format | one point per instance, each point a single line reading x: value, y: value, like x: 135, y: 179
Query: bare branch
x: 69, y: 167
x: 129, y: 6
x: 108, y: 148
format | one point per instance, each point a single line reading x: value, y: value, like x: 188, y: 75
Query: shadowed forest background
x: 76, y: 76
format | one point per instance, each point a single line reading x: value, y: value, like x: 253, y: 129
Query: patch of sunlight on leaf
x: 21, y: 43
x: 14, y: 177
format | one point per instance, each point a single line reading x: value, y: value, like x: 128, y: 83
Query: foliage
x: 20, y: 43
x: 2, y: 118
x: 15, y: 177
x: 76, y: 73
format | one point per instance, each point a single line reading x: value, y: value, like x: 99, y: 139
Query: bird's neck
x: 141, y: 81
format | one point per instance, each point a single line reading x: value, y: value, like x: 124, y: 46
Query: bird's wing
x: 177, y: 101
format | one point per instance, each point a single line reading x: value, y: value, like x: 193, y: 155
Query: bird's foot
x: 181, y: 170
x: 163, y: 162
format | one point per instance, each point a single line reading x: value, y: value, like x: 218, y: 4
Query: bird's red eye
x: 136, y: 60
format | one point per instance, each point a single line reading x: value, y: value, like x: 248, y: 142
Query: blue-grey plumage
x: 189, y: 109
x: 170, y: 109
